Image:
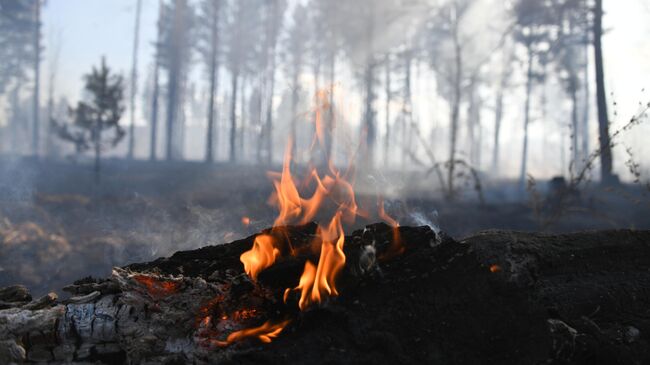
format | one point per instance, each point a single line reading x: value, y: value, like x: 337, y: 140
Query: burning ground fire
x: 325, y: 197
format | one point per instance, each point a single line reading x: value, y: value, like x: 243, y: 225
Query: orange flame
x: 316, y: 283
x: 265, y: 333
x: 261, y: 256
x: 332, y: 193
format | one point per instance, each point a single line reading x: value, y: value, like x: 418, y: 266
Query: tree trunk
x: 233, y: 117
x: 606, y: 176
x: 575, y: 160
x: 407, y: 109
x: 329, y: 131
x: 172, y: 110
x: 98, y: 150
x: 369, y: 118
x: 455, y: 112
x: 154, y: 113
x: 498, y: 117
x: 586, y: 104
x: 214, y: 81
x: 294, y: 107
x: 15, y: 117
x: 387, y: 113
x: 273, y: 34
x: 156, y: 91
x: 471, y: 130
x: 269, y: 112
x: 134, y: 79
x: 241, y: 145
x: 524, y: 153
x: 37, y: 80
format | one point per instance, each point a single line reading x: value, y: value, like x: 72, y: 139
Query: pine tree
x: 98, y: 114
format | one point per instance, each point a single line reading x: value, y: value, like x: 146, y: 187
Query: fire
x: 325, y: 195
x: 265, y: 333
x: 261, y: 256
x: 317, y: 283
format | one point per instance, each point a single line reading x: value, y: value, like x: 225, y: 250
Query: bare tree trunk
x: 524, y: 153
x: 214, y: 81
x: 455, y: 112
x: 154, y: 112
x: 369, y: 118
x: 53, y: 69
x: 98, y: 150
x: 269, y: 112
x: 156, y: 91
x: 37, y: 81
x: 574, y: 129
x: 471, y: 106
x: 134, y: 79
x: 586, y: 104
x: 273, y: 34
x: 498, y: 117
x: 329, y: 131
x: 233, y: 117
x: 242, y: 117
x: 294, y: 106
x: 172, y: 91
x: 407, y: 109
x: 15, y: 117
x: 606, y: 175
x: 387, y: 112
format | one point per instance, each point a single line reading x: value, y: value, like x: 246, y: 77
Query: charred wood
x: 495, y: 297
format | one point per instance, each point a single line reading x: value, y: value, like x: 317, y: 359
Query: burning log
x: 496, y: 297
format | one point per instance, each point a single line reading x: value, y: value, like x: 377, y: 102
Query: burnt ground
x: 496, y: 297
x: 56, y: 225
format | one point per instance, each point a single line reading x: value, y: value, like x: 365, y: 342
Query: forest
x: 389, y: 147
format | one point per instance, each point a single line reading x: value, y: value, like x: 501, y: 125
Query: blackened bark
x: 233, y: 117
x: 524, y: 153
x: 606, y: 176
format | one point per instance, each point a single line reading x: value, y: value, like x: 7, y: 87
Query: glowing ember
x: 245, y: 221
x: 157, y: 288
x: 495, y: 268
x: 261, y: 256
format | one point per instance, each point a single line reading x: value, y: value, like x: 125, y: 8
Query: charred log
x: 495, y: 297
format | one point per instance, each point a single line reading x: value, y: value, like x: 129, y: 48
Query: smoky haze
x: 132, y: 129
